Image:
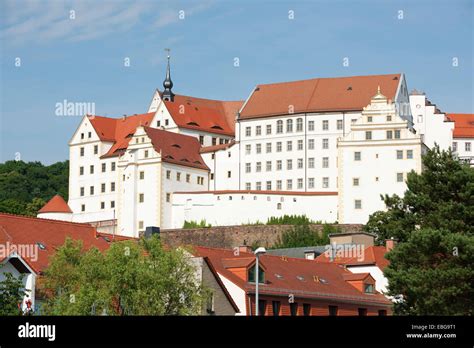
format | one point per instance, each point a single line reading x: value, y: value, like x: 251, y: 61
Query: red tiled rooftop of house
x: 373, y: 255
x: 117, y: 130
x: 463, y: 125
x: 284, y: 275
x: 176, y: 148
x: 21, y: 230
x: 318, y: 95
x: 57, y: 204
x: 214, y: 148
x: 214, y: 116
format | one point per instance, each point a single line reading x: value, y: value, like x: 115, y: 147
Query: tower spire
x: 168, y: 95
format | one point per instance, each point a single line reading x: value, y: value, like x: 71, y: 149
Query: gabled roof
x: 176, y: 148
x: 56, y: 205
x: 463, y: 125
x: 22, y: 230
x: 118, y: 130
x: 301, y: 277
x: 213, y: 116
x: 318, y: 95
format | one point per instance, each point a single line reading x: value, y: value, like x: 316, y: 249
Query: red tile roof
x: 318, y: 95
x: 117, y: 130
x: 262, y: 192
x: 463, y: 125
x: 21, y: 230
x: 56, y: 205
x: 214, y: 148
x: 177, y: 148
x: 301, y: 277
x: 213, y: 116
x: 373, y: 255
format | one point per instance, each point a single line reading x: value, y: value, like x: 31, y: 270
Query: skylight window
x: 176, y: 145
x: 279, y: 276
x: 300, y: 278
x: 41, y: 246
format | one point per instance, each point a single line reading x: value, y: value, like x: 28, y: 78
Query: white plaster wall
x: 237, y: 294
x: 224, y: 161
x: 56, y: 216
x: 461, y: 150
x: 381, y: 283
x: 225, y: 209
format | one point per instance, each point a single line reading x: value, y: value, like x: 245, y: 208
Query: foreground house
x: 463, y: 136
x: 292, y: 286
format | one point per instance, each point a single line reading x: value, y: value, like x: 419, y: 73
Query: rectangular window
x: 269, y: 129
x: 168, y: 197
x: 91, y: 169
x: 269, y: 147
x: 278, y: 146
x: 355, y: 181
x: 467, y: 147
x: 248, y: 167
x: 357, y: 204
x: 399, y: 154
x: 289, y: 184
x: 262, y: 306
x: 389, y: 134
x: 258, y: 185
x: 142, y: 175
x: 141, y: 197
x: 200, y: 180
x: 325, y: 162
x: 248, y: 149
x: 311, y: 183
x: 278, y: 185
x: 146, y: 154
x: 102, y: 188
x: 311, y: 162
x: 299, y: 125
x: 168, y: 174
x: 112, y: 166
x: 103, y: 167
x: 289, y: 146
x: 82, y: 191
x: 258, y: 167
x: 214, y: 141
x: 112, y: 186
x: 178, y: 176
x: 188, y: 178
x: 300, y: 163
x: 83, y: 207
x: 276, y: 308
x: 455, y: 146
x: 289, y: 164
x: 96, y: 149
x: 300, y: 183
x: 258, y: 148
x: 339, y: 125
x: 248, y: 131
x: 82, y: 151
x: 357, y: 156
x: 294, y: 309
x: 268, y: 166
x: 81, y: 170
x: 368, y: 135
x: 369, y: 118
x: 325, y: 182
x: 300, y: 145
x: 82, y: 135
x: 102, y: 205
x: 409, y: 154
x: 278, y: 165
x: 333, y: 310
x: 325, y: 144
x: 399, y: 177
x: 258, y: 130
x: 389, y: 118
x: 310, y: 126
x: 311, y: 144
x: 397, y: 134
x: 279, y: 127
x: 140, y: 225
x: 325, y: 125
x: 289, y: 126
x: 248, y: 186
x: 112, y: 204
x: 167, y: 122
x: 201, y: 139
x: 362, y: 312
x: 382, y: 312
x: 306, y: 309
x: 91, y: 190
x: 269, y: 185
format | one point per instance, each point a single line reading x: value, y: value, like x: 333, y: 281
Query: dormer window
x: 251, y: 275
x: 369, y: 288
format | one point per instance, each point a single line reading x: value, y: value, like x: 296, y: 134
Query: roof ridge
x: 25, y: 217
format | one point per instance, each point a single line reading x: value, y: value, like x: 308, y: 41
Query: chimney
x: 245, y: 249
x: 390, y: 244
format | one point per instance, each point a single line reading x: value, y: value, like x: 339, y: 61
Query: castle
x: 327, y: 148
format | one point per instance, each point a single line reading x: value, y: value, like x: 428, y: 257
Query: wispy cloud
x: 45, y: 21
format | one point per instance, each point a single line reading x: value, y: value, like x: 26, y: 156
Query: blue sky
x: 82, y: 59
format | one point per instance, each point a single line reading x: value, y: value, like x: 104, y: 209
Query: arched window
x: 280, y: 126
x: 299, y: 125
x: 289, y: 125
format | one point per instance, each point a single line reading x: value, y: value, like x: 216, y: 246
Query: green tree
x: 11, y: 294
x: 432, y: 267
x: 130, y: 278
x: 302, y: 235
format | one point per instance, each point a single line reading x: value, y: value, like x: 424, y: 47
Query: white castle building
x: 326, y: 147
